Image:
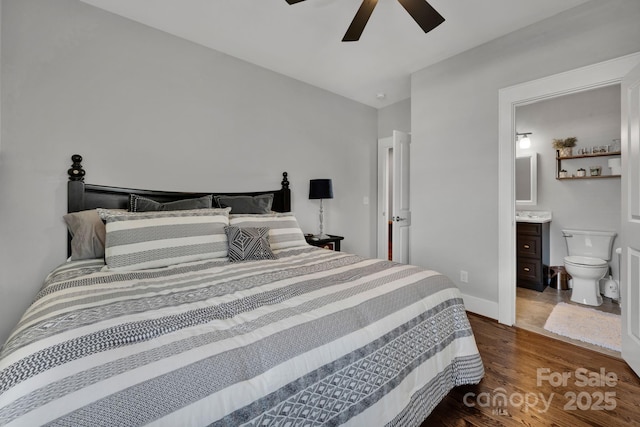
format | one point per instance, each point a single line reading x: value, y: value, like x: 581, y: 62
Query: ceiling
x: 303, y: 41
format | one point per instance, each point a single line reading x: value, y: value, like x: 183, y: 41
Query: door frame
x: 401, y: 197
x: 382, y: 215
x: 630, y: 229
x: 582, y: 79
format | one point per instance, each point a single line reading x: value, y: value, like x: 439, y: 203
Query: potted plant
x: 581, y: 172
x: 563, y: 173
x: 565, y: 146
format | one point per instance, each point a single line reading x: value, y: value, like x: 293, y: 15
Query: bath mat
x: 586, y: 324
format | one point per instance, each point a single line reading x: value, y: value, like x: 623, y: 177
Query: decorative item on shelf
x: 616, y: 166
x: 595, y: 170
x: 597, y: 149
x: 581, y: 172
x: 321, y: 189
x: 565, y: 146
x: 615, y: 145
x: 525, y: 141
x: 563, y: 174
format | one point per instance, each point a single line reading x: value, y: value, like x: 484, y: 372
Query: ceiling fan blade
x: 423, y: 13
x: 294, y: 1
x: 359, y: 21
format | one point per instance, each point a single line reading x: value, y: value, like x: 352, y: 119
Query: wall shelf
x: 588, y: 177
x: 559, y: 161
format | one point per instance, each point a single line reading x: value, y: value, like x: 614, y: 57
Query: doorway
x: 394, y: 209
x: 385, y: 197
x: 624, y: 70
x: 583, y: 79
x: 590, y: 203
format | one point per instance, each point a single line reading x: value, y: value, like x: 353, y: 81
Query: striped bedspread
x: 315, y: 337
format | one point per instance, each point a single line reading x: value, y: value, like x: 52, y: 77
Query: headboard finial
x: 285, y: 181
x: 76, y: 173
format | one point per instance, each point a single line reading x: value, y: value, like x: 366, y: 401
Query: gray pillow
x: 143, y: 204
x: 246, y: 204
x: 248, y: 244
x: 87, y: 234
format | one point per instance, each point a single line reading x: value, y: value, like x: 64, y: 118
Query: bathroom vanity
x: 532, y: 249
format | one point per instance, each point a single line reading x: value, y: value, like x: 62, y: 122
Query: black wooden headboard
x: 82, y: 196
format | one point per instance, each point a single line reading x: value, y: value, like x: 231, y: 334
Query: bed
x: 289, y: 335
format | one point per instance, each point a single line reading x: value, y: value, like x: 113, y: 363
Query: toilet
x: 587, y: 262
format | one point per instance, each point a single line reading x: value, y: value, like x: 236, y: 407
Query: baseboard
x: 481, y: 306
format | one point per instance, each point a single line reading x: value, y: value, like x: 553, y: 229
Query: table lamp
x: 320, y: 189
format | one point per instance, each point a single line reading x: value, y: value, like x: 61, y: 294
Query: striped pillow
x: 284, y: 231
x: 140, y: 240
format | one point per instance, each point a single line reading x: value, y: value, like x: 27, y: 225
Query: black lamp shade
x: 320, y: 189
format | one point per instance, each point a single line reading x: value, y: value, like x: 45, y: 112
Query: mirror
x: 527, y: 178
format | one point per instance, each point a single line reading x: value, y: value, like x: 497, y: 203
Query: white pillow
x: 140, y: 240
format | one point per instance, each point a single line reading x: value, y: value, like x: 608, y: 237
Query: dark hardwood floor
x: 513, y: 357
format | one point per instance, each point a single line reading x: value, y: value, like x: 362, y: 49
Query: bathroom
x: 593, y: 117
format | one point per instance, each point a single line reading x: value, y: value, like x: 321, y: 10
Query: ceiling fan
x: 421, y: 12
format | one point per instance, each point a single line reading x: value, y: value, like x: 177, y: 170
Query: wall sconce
x: 525, y: 141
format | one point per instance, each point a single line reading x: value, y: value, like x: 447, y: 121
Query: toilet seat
x: 584, y: 261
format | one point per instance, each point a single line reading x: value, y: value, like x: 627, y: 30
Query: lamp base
x: 321, y: 236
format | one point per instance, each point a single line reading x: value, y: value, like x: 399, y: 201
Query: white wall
x: 394, y: 117
x: 454, y: 118
x: 150, y: 110
x: 0, y: 79
x: 594, y: 118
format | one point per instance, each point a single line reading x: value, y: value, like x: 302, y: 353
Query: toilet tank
x: 595, y: 244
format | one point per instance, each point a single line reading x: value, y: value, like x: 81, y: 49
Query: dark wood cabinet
x: 333, y: 242
x: 532, y: 255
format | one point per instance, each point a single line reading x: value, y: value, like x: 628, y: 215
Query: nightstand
x: 333, y: 242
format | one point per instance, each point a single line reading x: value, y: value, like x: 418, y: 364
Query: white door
x: 385, y: 180
x: 630, y: 235
x: 401, y: 208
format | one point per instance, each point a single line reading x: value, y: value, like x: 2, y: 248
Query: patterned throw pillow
x: 248, y: 244
x: 284, y: 231
x: 140, y: 240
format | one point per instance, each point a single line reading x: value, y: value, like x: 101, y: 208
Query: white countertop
x: 533, y: 216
